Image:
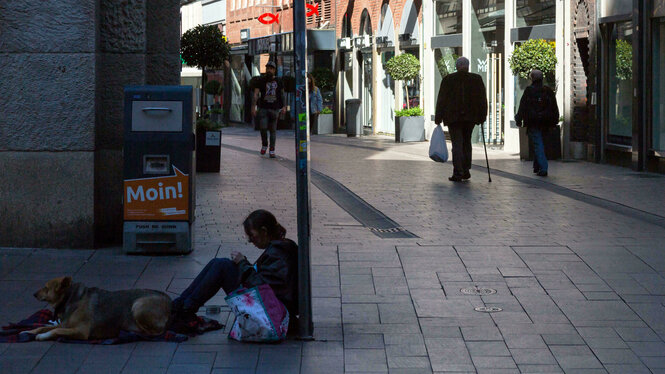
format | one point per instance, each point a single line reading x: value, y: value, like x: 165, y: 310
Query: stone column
x: 47, y: 126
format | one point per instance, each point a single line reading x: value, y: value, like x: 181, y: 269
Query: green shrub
x: 411, y: 112
x: 213, y: 88
x: 443, y: 67
x: 624, y: 60
x: 204, y: 124
x: 324, y: 78
x: 533, y: 54
x: 326, y: 111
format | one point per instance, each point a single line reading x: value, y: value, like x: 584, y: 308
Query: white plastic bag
x: 438, y: 151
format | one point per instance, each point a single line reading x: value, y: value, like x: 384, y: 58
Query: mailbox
x: 158, y: 188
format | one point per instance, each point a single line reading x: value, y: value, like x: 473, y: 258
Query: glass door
x: 658, y: 84
x: 620, y: 85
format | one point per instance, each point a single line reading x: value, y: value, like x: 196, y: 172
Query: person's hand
x: 237, y: 257
x: 283, y: 110
x: 253, y: 111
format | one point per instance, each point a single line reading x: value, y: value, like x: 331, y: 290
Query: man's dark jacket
x: 461, y: 99
x: 524, y: 114
x: 278, y: 267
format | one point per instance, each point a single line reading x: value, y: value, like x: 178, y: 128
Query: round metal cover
x: 488, y: 309
x: 478, y: 291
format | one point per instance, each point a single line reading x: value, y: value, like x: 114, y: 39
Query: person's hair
x: 536, y: 75
x: 311, y: 82
x: 263, y: 218
x: 462, y: 64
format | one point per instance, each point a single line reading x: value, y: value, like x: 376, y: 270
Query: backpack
x: 540, y: 107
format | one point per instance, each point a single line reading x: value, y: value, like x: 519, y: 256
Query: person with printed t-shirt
x: 268, y: 98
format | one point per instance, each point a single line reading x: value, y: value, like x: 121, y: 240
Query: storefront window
x: 448, y: 17
x: 621, y: 85
x: 444, y: 59
x: 533, y: 13
x: 239, y: 76
x: 659, y: 85
x: 487, y: 59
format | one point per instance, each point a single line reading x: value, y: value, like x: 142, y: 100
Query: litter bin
x: 354, y: 117
x: 158, y: 191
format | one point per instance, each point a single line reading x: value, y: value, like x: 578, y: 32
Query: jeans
x: 267, y: 120
x: 219, y: 273
x: 460, y: 136
x: 539, y: 158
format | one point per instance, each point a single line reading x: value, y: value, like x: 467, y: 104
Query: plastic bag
x: 438, y: 150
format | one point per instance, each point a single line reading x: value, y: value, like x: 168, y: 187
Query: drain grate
x: 488, y: 309
x: 475, y: 290
x: 392, y: 229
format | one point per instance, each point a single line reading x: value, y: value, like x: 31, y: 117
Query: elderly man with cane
x: 461, y: 105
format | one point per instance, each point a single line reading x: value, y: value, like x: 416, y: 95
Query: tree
x: 404, y: 67
x: 204, y: 47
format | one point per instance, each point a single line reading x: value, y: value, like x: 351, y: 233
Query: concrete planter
x: 208, y: 151
x: 324, y: 124
x: 409, y: 129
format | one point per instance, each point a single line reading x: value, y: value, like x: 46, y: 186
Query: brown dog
x: 93, y: 313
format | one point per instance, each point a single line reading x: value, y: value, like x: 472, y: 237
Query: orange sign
x: 158, y: 198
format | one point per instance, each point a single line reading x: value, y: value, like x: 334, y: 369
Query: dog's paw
x: 26, y: 333
x: 42, y: 337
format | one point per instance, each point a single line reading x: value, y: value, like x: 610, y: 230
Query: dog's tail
x: 151, y: 314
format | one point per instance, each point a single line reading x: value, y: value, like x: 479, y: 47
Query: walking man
x: 461, y: 105
x: 539, y: 112
x: 268, y: 98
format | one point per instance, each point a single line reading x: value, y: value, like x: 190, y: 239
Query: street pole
x: 302, y: 169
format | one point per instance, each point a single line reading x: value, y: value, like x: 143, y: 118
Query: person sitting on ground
x: 277, y: 266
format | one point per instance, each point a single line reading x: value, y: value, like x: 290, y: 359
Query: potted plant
x: 410, y: 122
x: 208, y: 145
x: 409, y: 125
x: 204, y: 47
x: 324, y: 124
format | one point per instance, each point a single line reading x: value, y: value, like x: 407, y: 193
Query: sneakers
x: 272, y: 152
x: 263, y: 150
x: 541, y: 173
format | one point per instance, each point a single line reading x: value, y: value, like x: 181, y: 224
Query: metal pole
x: 489, y: 178
x: 302, y: 169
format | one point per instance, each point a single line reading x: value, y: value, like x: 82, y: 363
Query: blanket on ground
x: 12, y: 333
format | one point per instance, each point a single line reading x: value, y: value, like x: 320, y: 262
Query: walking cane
x: 482, y: 129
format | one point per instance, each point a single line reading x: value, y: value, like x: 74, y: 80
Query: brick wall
x: 355, y: 10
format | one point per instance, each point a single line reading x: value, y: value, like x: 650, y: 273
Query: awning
x: 408, y: 28
x: 317, y: 40
x: 386, y: 35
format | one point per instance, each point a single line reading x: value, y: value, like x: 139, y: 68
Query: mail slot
x: 159, y: 170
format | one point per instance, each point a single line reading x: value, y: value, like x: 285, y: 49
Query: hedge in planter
x: 409, y: 125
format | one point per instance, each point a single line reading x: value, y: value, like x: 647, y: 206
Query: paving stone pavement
x: 576, y: 260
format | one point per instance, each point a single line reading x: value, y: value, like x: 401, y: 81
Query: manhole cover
x: 488, y: 309
x: 477, y: 291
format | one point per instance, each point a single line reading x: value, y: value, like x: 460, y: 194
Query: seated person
x: 277, y: 266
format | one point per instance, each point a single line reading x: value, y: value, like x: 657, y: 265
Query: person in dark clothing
x: 538, y: 111
x: 461, y: 105
x: 277, y: 266
x: 268, y: 97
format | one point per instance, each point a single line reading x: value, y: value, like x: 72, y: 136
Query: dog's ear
x: 65, y: 282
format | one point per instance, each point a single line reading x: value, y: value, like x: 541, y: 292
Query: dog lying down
x: 92, y: 313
